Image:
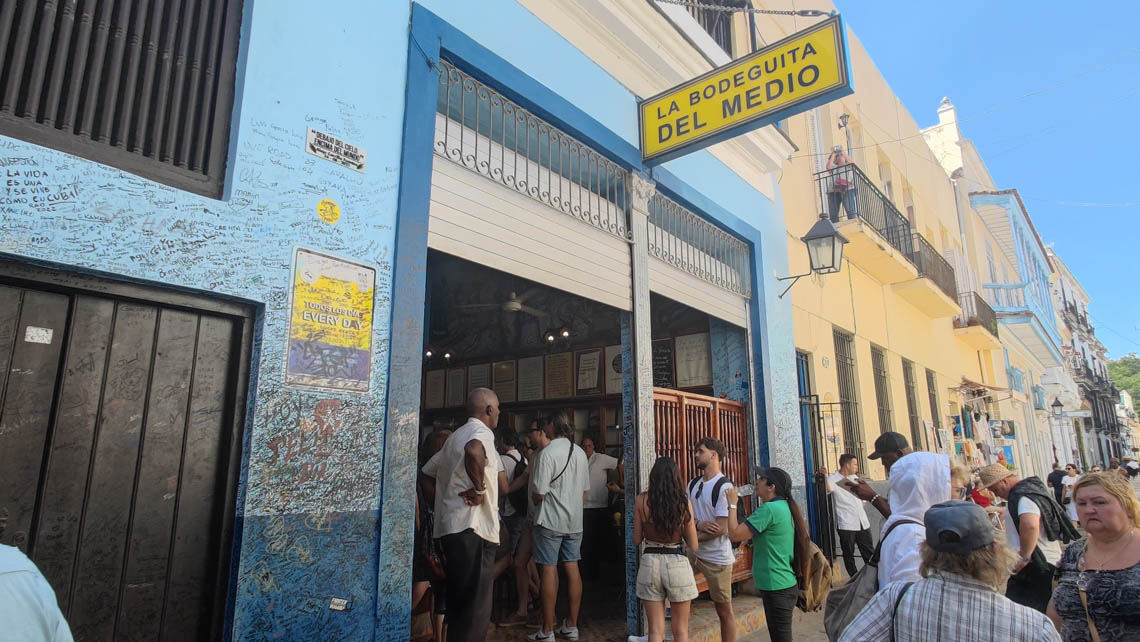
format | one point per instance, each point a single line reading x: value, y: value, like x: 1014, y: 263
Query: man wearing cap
x: 964, y: 568
x: 1035, y: 524
x: 890, y: 447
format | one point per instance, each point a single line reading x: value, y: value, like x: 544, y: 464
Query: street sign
x: 804, y: 70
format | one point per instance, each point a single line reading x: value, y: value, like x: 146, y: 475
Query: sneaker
x: 568, y: 632
x: 541, y: 636
x: 638, y: 638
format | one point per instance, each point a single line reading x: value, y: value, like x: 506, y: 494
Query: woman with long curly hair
x: 663, y: 519
x: 779, y: 537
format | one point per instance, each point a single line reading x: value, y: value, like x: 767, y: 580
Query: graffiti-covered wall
x: 308, y: 505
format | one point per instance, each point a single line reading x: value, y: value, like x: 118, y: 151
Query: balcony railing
x: 717, y: 22
x: 931, y: 265
x: 975, y: 311
x: 846, y: 192
x: 690, y: 243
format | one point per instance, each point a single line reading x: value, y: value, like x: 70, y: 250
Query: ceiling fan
x: 514, y: 303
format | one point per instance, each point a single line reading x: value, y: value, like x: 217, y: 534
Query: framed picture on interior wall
x: 663, y: 375
x: 503, y: 380
x: 612, y: 367
x: 589, y: 372
x: 694, y: 360
x: 456, y: 387
x: 530, y: 380
x: 560, y: 375
x: 435, y: 386
x: 478, y: 376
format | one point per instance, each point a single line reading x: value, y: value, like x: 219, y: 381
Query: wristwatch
x: 479, y: 492
x: 732, y: 507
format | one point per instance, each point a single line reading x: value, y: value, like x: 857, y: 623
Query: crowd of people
x: 1059, y: 561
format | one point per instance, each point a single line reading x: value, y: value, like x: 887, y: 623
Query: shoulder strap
x: 569, y: 455
x: 693, y: 484
x: 716, y: 489
x: 879, y: 547
x: 895, y: 610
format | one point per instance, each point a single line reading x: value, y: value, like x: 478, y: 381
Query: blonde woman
x: 1098, y: 592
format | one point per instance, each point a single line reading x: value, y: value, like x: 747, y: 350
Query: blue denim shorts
x: 550, y: 547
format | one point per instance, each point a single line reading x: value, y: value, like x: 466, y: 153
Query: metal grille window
x: 882, y: 389
x: 932, y: 391
x: 485, y: 132
x: 717, y: 23
x: 687, y: 241
x: 916, y: 432
x: 848, y: 395
x: 146, y: 87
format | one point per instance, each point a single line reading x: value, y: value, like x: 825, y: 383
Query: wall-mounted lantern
x: 825, y: 251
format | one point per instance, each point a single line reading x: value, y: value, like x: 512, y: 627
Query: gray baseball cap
x: 958, y: 527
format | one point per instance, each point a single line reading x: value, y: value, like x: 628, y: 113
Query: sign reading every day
x: 330, y: 323
x: 333, y: 149
x: 793, y: 75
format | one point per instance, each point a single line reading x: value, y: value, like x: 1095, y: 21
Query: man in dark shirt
x: 1054, y: 481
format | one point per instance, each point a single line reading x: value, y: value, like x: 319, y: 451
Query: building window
x: 848, y: 394
x: 882, y: 389
x: 144, y: 87
x: 932, y: 391
x: 916, y: 432
x: 716, y: 23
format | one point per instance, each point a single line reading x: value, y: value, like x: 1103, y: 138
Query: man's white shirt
x: 850, y: 515
x: 717, y: 550
x: 599, y: 494
x: 452, y: 514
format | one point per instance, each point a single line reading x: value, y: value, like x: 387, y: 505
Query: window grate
x: 848, y: 395
x: 932, y: 391
x: 916, y: 432
x: 882, y: 389
x: 146, y: 87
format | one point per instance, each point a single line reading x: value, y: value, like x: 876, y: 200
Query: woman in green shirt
x: 779, y: 546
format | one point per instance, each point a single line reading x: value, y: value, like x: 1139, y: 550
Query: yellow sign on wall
x: 793, y: 75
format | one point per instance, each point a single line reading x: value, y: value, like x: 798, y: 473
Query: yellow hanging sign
x: 793, y: 75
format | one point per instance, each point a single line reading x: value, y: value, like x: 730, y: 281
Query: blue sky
x: 1076, y: 142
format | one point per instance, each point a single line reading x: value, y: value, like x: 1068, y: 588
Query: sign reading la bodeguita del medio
x: 806, y: 69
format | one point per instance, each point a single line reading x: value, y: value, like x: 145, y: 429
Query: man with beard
x: 714, y: 557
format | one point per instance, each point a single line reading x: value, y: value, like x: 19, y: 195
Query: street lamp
x: 1057, y: 406
x: 825, y: 251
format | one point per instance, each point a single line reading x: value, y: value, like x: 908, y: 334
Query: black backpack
x: 715, y: 496
x: 518, y: 498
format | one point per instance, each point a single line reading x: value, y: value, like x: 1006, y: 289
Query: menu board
x: 694, y: 361
x: 614, y: 378
x: 435, y: 386
x: 663, y: 363
x: 589, y: 378
x: 479, y: 376
x: 503, y: 376
x: 560, y: 375
x: 530, y: 379
x: 456, y: 387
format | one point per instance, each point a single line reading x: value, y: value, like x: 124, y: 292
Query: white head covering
x: 918, y: 481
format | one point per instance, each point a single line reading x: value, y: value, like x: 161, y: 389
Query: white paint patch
x: 338, y: 604
x: 32, y: 334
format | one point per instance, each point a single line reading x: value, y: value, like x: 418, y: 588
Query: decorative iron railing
x: 975, y: 311
x: 846, y: 192
x: 481, y: 130
x: 716, y: 22
x: 689, y: 242
x: 931, y: 265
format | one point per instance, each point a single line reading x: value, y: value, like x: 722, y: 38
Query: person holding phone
x: 842, y: 190
x: 850, y: 513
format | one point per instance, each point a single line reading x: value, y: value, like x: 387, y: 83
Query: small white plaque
x: 335, y: 150
x: 338, y: 604
x: 38, y: 335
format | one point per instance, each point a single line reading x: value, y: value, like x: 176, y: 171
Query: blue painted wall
x: 303, y: 539
x: 343, y: 69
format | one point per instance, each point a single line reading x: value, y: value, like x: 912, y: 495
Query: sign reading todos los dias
x: 804, y: 70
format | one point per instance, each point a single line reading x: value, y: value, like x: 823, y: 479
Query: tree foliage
x: 1125, y: 373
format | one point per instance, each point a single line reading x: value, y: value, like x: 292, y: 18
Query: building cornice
x: 647, y: 53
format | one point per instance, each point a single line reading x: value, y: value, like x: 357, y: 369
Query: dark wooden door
x: 116, y: 457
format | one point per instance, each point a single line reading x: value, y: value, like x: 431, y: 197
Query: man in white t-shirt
x: 28, y: 607
x: 561, y: 481
x: 714, y: 557
x: 597, y: 523
x: 850, y: 516
x: 1035, y: 526
x: 468, y: 478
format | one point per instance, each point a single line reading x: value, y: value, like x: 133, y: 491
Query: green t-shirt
x: 773, y: 539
